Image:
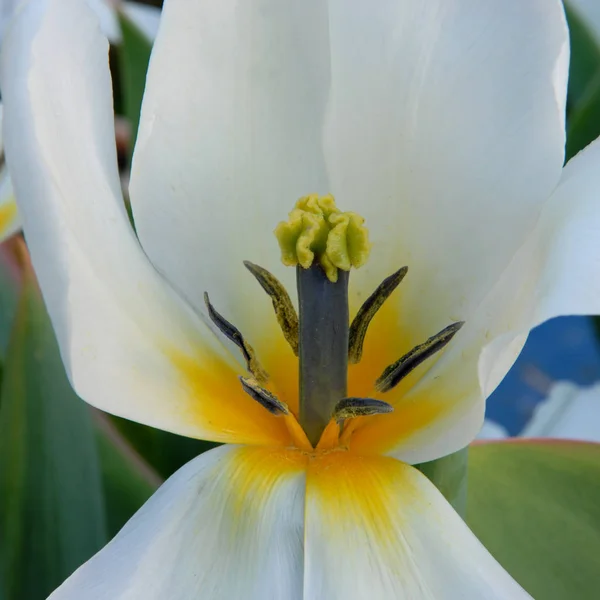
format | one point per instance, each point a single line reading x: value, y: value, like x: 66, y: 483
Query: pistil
x: 323, y: 346
x: 323, y: 243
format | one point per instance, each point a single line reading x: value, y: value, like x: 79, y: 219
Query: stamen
x: 349, y: 408
x: 392, y: 375
x: 273, y: 404
x: 233, y: 333
x: 360, y: 323
x: 284, y: 309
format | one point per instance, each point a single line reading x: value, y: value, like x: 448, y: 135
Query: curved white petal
x: 492, y: 431
x: 555, y: 272
x: 569, y: 412
x: 130, y: 345
x: 446, y: 131
x: 379, y: 529
x: 107, y: 18
x: 229, y: 139
x: 227, y: 526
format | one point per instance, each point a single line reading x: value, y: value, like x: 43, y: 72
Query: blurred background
x: 71, y: 476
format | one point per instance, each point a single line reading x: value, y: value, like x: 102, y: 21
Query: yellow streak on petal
x: 8, y: 213
x: 219, y: 404
x: 282, y: 366
x: 254, y: 474
x: 297, y: 434
x: 353, y: 493
x: 381, y: 433
x: 329, y: 437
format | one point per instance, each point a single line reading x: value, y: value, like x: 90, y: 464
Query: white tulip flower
x: 442, y: 125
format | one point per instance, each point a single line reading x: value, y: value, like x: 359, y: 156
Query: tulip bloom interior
x: 324, y: 243
x: 440, y: 127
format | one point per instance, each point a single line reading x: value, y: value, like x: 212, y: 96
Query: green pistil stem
x: 323, y: 346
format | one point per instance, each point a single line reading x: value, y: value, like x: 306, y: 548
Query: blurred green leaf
x: 10, y: 283
x: 583, y: 124
x: 134, y: 56
x: 164, y: 451
x: 51, y: 507
x: 449, y: 474
x: 585, y: 56
x: 128, y: 480
x: 535, y: 505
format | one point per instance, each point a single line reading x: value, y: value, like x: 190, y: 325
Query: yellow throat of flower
x: 317, y: 231
x: 324, y: 243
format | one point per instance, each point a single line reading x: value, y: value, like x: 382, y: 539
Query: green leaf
x: 10, y: 282
x: 51, y: 506
x: 134, y: 56
x: 128, y: 480
x: 583, y: 124
x: 449, y: 474
x: 536, y: 506
x: 585, y: 56
x: 165, y: 452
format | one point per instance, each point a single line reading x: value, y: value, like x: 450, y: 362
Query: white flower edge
x: 145, y: 17
x: 569, y: 412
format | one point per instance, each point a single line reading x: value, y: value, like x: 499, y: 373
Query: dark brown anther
x: 393, y: 374
x: 264, y: 397
x: 360, y: 323
x: 349, y: 408
x: 282, y: 303
x: 233, y: 334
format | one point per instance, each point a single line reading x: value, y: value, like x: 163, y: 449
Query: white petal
x: 130, y: 345
x: 446, y: 131
x: 377, y: 528
x: 463, y: 145
x: 107, y: 18
x: 227, y: 526
x: 492, y: 431
x: 570, y: 412
x: 556, y: 272
x: 229, y: 139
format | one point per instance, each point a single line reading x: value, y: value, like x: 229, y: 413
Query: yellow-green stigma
x: 318, y: 232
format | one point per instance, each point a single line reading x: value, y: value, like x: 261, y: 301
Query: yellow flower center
x: 323, y: 244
